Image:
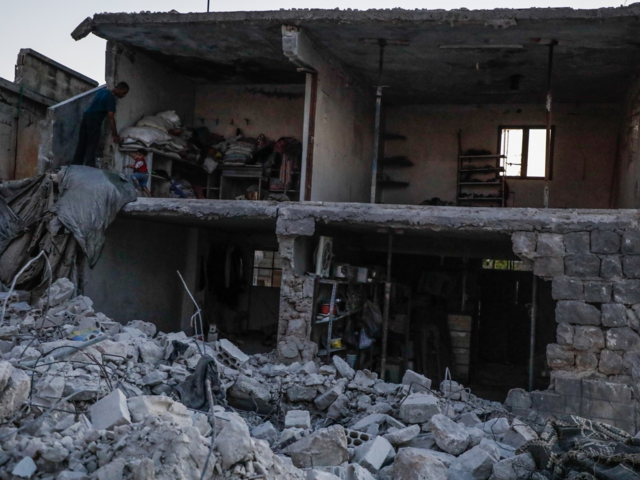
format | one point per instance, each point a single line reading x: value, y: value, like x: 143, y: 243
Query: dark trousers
x: 89, y: 140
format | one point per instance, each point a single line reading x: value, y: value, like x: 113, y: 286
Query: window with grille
x: 267, y: 269
x: 525, y: 149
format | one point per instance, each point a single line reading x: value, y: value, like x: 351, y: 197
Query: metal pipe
x: 534, y: 314
x: 65, y: 351
x: 376, y: 145
x: 549, y: 102
x: 208, y: 5
x: 385, y: 314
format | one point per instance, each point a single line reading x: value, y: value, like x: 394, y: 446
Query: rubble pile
x: 84, y: 397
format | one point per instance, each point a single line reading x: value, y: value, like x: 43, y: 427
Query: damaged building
x: 396, y: 197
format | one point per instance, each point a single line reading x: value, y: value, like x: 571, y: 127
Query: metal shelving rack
x: 465, y: 167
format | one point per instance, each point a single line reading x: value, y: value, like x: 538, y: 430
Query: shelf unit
x: 398, y: 161
x: 469, y: 184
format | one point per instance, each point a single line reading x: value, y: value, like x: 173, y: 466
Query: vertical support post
x: 548, y: 105
x: 385, y: 312
x: 376, y: 145
x: 308, y: 136
x: 534, y: 314
x: 332, y: 304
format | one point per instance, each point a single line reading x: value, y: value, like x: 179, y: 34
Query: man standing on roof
x: 103, y: 105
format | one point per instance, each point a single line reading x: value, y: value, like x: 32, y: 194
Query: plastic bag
x: 155, y: 122
x: 171, y: 117
x: 372, y: 318
x: 364, y: 341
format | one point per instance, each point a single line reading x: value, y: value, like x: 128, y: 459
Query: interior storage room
x: 210, y: 133
x: 460, y: 303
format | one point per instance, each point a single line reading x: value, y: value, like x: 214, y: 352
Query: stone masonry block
x: 573, y: 405
x: 568, y: 386
x: 548, y: 267
x: 550, y: 245
x: 603, y: 241
x: 627, y: 291
x: 548, y: 402
x: 524, y: 243
x: 597, y: 292
x: 577, y: 313
x: 631, y: 266
x: 586, y: 361
x: 631, y: 242
x: 609, y: 410
x: 567, y: 288
x: 559, y: 357
x: 588, y: 338
x: 584, y: 265
x: 610, y: 267
x: 372, y: 455
x: 610, y: 362
x: 631, y: 364
x: 610, y: 391
x: 577, y: 243
x: 623, y: 339
x: 614, y: 315
x: 297, y: 419
x: 419, y: 408
x: 110, y: 411
x: 565, y: 333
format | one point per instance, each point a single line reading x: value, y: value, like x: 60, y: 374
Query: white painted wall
x: 585, y: 150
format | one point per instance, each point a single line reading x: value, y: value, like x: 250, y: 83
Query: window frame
x: 271, y: 269
x: 525, y: 149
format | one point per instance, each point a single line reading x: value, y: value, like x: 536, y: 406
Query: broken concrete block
x: 110, y: 411
x: 6, y: 369
x: 455, y: 474
x: 470, y: 419
x: 495, y: 426
x: 339, y: 409
x: 505, y: 451
x: 418, y: 464
x: 449, y: 436
x: 513, y: 439
x: 324, y: 400
x: 297, y: 419
x: 15, y: 394
x: 247, y: 388
x: 577, y: 313
x: 61, y: 290
x: 343, y: 368
x: 371, y: 455
x: 301, y: 393
x: 526, y: 431
x: 318, y: 475
x: 233, y: 443
x: 377, y: 419
x: 475, y: 436
x: 230, y: 355
x: 355, y: 438
x: 150, y: 352
x: 605, y: 242
x: 419, y: 408
x: 25, y: 468
x: 475, y: 461
x: 159, y: 405
x: 356, y: 472
x: 418, y: 383
x: 402, y: 436
x: 325, y: 447
x: 266, y: 432
x: 519, y: 466
x: 148, y: 328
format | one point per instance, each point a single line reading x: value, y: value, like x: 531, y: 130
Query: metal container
x: 341, y: 270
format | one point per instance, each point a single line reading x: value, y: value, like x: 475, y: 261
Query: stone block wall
x: 596, y: 360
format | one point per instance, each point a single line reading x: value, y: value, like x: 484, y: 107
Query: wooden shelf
x: 480, y: 157
x: 399, y: 161
x: 325, y: 318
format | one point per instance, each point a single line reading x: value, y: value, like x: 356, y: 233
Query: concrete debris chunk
x: 324, y: 400
x: 6, y: 369
x: 15, y: 394
x: 418, y: 464
x: 419, y: 408
x: 325, y: 447
x: 519, y: 466
x: 343, y: 368
x: 449, y: 436
x: 230, y: 355
x: 160, y: 406
x: 266, y: 432
x: 25, y: 468
x: 297, y: 419
x: 371, y: 455
x: 110, y: 411
x: 402, y: 436
x: 417, y: 382
x: 475, y: 461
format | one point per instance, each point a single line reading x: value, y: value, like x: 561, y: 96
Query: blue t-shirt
x: 103, y: 102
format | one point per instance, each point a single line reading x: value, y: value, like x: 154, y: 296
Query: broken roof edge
x: 495, y: 17
x: 410, y: 218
